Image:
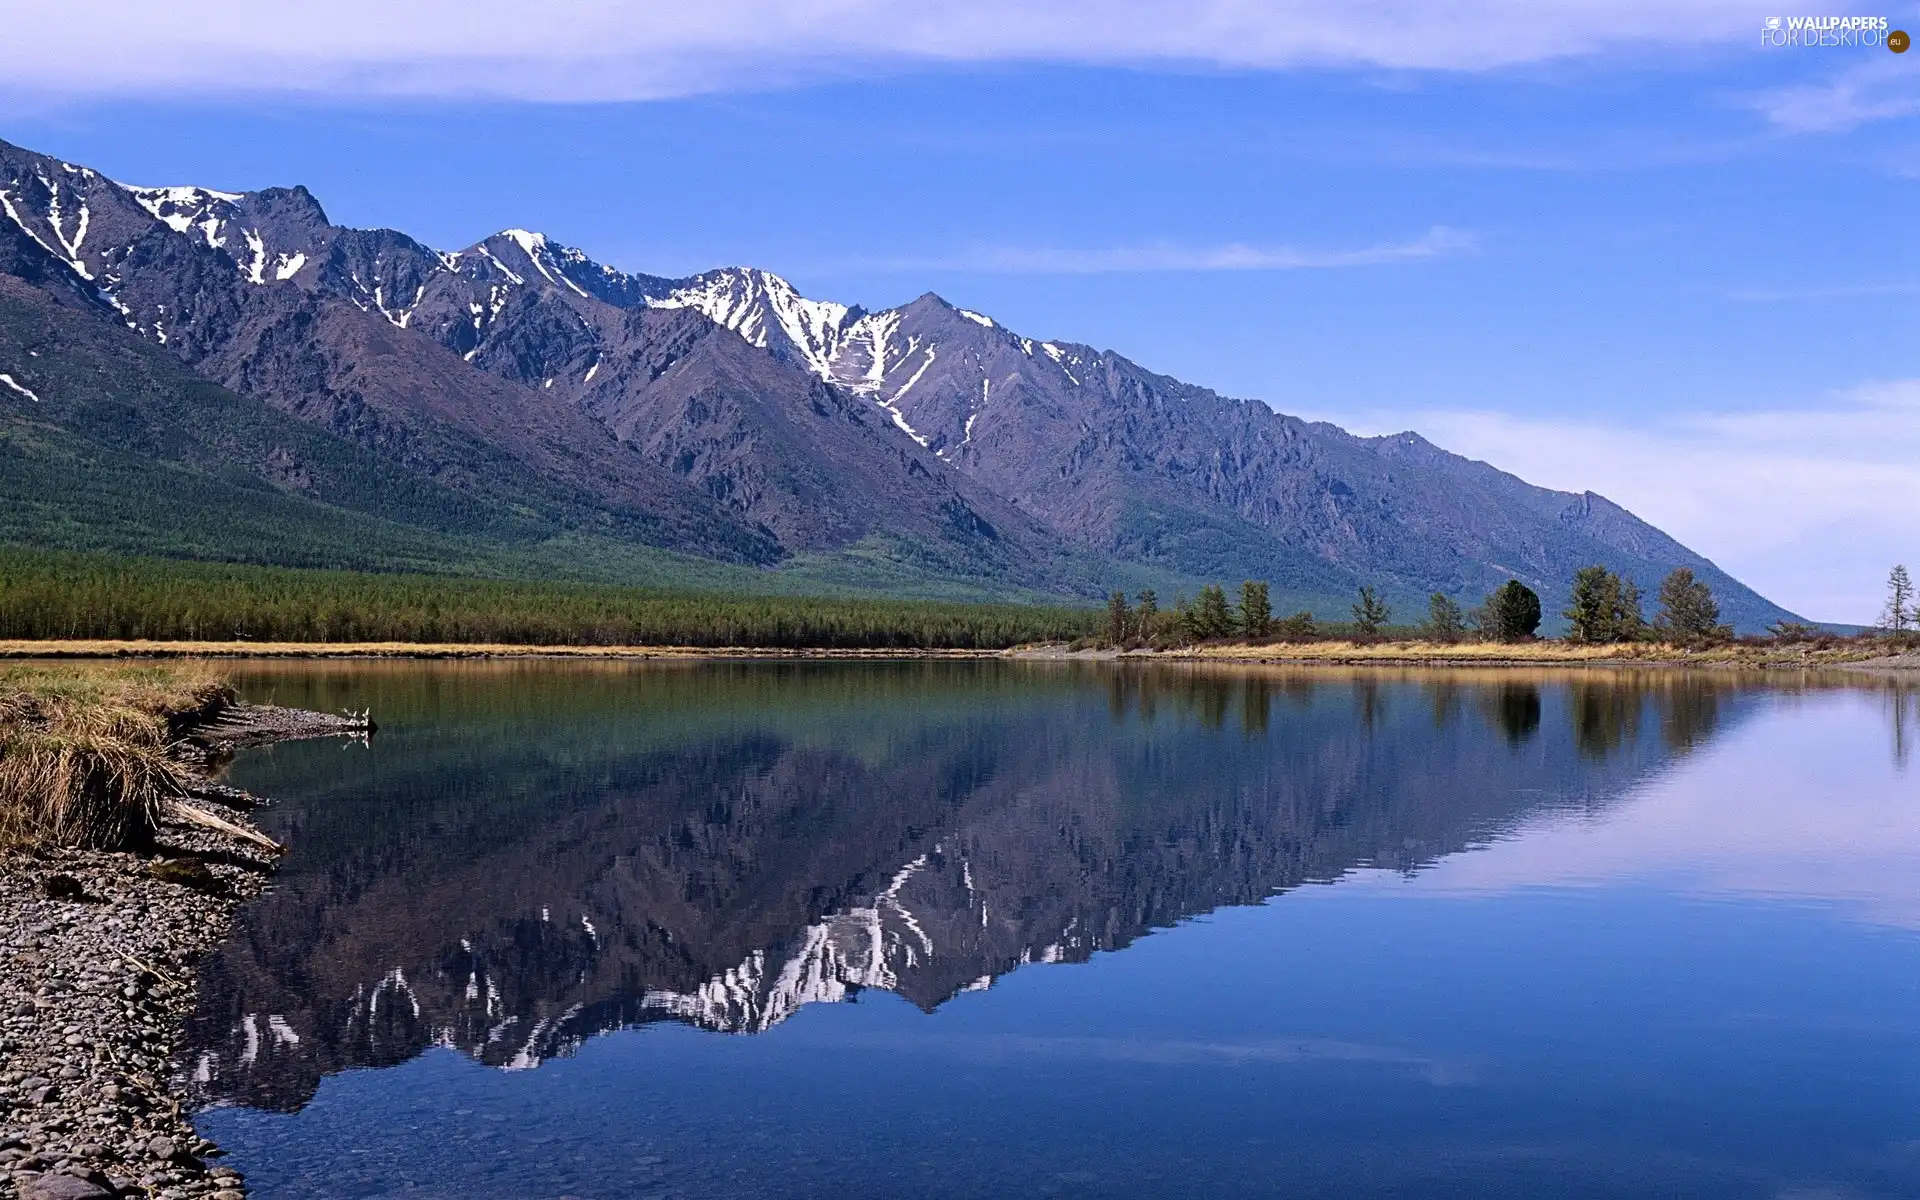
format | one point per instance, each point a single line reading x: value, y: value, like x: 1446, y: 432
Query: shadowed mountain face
x: 529, y: 855
x: 728, y: 416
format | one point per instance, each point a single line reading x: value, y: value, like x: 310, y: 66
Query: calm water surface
x: 988, y: 929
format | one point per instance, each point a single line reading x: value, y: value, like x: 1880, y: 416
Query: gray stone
x: 63, y: 1187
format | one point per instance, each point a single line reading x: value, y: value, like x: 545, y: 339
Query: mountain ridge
x: 926, y: 434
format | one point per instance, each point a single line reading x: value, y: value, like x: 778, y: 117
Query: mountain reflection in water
x: 531, y: 854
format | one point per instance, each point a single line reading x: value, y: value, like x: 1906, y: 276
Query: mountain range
x: 230, y: 375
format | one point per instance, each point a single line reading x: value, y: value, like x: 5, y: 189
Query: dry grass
x: 154, y: 689
x: 1542, y: 653
x: 84, y: 755
x: 1466, y: 652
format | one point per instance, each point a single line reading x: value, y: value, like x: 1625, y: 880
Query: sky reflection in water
x: 1136, y: 932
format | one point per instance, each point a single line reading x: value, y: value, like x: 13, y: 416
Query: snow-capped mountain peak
x: 550, y: 260
x: 767, y: 311
x: 201, y: 212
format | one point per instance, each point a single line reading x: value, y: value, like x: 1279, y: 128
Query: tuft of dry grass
x: 91, y: 791
x: 84, y: 749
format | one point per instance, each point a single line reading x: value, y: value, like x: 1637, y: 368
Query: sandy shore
x: 97, y: 957
x: 1890, y: 662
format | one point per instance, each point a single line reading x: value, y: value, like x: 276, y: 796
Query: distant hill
x: 229, y: 375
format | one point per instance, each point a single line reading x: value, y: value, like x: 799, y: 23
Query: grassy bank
x: 83, y: 749
x: 54, y: 595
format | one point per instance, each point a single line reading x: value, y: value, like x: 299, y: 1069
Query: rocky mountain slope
x: 729, y: 417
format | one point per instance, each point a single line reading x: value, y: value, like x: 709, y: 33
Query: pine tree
x: 1629, y: 622
x: 1688, y: 612
x: 1605, y: 608
x: 1256, y: 612
x: 1445, y: 621
x: 1210, y: 617
x: 1370, y: 613
x: 1511, y: 612
x: 1118, y: 618
x: 1148, y: 617
x: 1900, y: 612
x: 1590, y: 610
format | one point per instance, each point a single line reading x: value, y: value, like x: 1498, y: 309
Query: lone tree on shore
x: 1256, y: 612
x: 1688, y: 612
x: 1119, y: 619
x: 1370, y: 612
x: 1605, y: 608
x: 1900, y: 612
x: 1511, y: 612
x: 1445, y: 621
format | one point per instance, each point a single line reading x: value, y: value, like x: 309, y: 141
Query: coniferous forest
x: 50, y: 594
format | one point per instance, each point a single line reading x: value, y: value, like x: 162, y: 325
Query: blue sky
x: 1619, y: 246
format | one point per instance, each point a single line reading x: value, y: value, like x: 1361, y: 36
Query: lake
x: 984, y: 929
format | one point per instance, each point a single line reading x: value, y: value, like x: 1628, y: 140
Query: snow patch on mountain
x: 509, y: 272
x: 766, y: 310
x: 546, y: 257
x: 1062, y: 359
x: 184, y: 209
x: 255, y: 269
x: 54, y: 221
x: 8, y: 380
x: 872, y: 334
x: 6, y: 202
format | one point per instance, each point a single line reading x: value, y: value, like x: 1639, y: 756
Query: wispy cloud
x: 1882, y: 88
x: 1439, y: 241
x: 623, y: 50
x: 1837, y: 291
x: 1811, y: 506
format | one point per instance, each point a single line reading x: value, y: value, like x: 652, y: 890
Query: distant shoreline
x: 1349, y: 654
x: 101, y: 648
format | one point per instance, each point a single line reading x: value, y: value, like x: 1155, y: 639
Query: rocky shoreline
x: 97, y: 956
